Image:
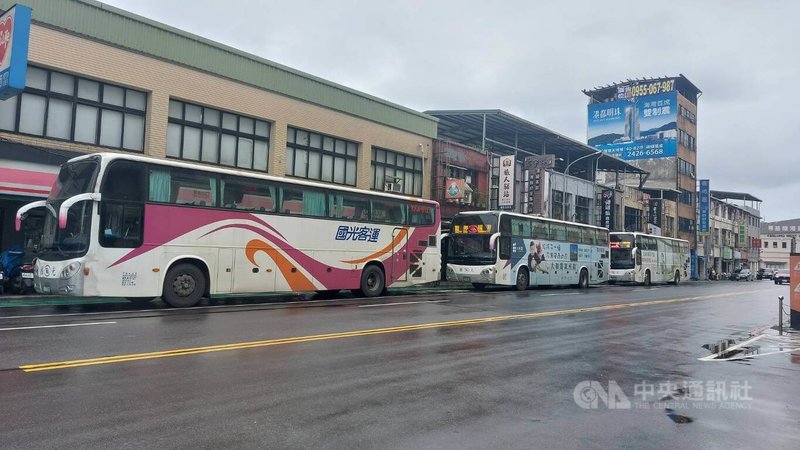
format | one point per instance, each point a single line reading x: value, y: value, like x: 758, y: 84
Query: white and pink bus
x: 136, y: 227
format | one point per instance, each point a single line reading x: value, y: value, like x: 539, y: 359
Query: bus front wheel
x: 373, y: 281
x: 677, y: 280
x: 522, y: 279
x: 647, y: 280
x: 184, y: 286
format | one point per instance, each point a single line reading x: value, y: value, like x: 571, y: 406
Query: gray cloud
x: 533, y: 58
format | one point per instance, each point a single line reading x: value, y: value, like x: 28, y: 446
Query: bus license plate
x: 27, y: 275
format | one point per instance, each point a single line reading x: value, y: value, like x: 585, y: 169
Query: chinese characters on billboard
x: 705, y: 206
x: 505, y: 198
x: 607, y: 209
x: 636, y: 128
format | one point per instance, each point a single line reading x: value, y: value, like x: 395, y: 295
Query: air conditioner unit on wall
x: 393, y: 187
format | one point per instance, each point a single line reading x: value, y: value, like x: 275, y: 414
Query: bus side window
x: 540, y: 229
x: 420, y: 214
x: 558, y: 232
x: 602, y: 237
x: 588, y: 236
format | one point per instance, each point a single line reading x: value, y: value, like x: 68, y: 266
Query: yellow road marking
x: 347, y: 334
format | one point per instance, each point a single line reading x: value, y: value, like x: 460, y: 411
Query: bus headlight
x: 70, y: 270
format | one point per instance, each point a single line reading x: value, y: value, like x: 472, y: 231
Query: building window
x: 766, y: 244
x: 404, y: 172
x: 686, y: 114
x: 319, y: 157
x: 64, y: 107
x: 686, y: 168
x: 686, y: 139
x: 783, y: 244
x: 582, y: 206
x: 685, y: 225
x: 686, y: 197
x: 775, y: 244
x: 558, y: 205
x: 197, y: 133
x: 633, y: 219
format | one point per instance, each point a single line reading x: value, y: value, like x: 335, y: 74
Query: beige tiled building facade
x: 103, y: 79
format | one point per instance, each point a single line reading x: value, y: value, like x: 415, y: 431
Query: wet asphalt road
x: 469, y: 370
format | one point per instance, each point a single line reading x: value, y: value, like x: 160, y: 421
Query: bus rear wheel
x: 373, y: 282
x: 523, y: 280
x: 677, y: 280
x: 184, y: 286
x: 479, y: 286
x: 647, y: 280
x: 583, y: 280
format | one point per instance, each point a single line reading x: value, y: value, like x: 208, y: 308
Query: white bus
x: 136, y: 227
x: 646, y: 259
x: 502, y: 248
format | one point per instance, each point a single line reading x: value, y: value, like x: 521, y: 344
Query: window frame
x: 221, y: 131
x: 74, y: 101
x: 291, y: 141
x: 376, y: 165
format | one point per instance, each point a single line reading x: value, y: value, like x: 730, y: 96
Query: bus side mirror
x: 22, y: 213
x: 493, y: 240
x: 62, y: 212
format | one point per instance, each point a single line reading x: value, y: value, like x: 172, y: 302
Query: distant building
x: 734, y: 235
x: 778, y: 241
x: 490, y: 159
x: 652, y: 124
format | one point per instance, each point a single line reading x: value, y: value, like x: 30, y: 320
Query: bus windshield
x: 622, y: 251
x: 72, y: 241
x: 470, y: 239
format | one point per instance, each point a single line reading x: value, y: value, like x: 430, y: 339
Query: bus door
x: 400, y: 255
x: 224, y: 271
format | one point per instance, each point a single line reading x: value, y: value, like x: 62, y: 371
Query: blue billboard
x: 704, y: 202
x: 15, y: 28
x: 636, y: 128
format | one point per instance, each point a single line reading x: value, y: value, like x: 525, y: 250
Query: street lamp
x: 566, y: 172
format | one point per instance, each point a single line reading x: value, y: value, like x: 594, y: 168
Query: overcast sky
x: 532, y: 59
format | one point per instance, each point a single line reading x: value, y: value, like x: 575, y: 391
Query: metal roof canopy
x: 505, y: 133
x: 726, y: 195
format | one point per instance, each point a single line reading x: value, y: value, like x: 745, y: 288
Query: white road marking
x: 555, y: 295
x: 715, y: 356
x: 402, y: 303
x: 57, y: 326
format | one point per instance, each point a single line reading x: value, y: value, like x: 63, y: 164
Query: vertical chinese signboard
x: 537, y: 167
x: 704, y: 202
x: 655, y: 211
x: 607, y: 209
x: 794, y: 290
x: 15, y: 28
x: 742, y: 235
x: 505, y: 199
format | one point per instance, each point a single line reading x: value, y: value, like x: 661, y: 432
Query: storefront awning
x: 29, y: 171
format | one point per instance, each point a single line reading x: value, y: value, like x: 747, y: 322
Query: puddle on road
x: 678, y: 418
x: 730, y: 348
x: 744, y: 350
